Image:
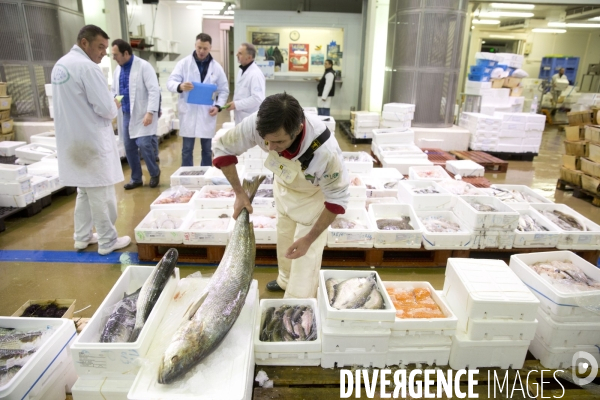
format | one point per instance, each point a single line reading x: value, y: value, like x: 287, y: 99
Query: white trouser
x: 299, y: 277
x: 96, y: 207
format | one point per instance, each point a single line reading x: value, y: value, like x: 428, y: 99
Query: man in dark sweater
x: 326, y: 89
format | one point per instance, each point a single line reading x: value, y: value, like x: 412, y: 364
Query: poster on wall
x: 317, y: 59
x: 265, y: 39
x: 298, y: 57
x: 267, y: 68
x: 334, y: 53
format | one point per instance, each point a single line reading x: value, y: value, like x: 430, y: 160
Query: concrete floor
x: 52, y: 229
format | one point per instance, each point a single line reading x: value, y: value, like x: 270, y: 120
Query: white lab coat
x: 83, y: 112
x: 144, y: 94
x: 324, y: 101
x: 249, y: 92
x: 194, y: 120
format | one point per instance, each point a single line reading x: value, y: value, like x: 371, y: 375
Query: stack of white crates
x: 397, y: 115
x: 496, y: 314
x: 395, y: 148
x: 569, y: 320
x: 420, y: 340
x: 354, y: 336
x: 15, y: 186
x: 362, y: 124
x: 485, y: 130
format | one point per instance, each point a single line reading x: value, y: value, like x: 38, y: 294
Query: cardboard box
x: 571, y: 162
x: 70, y: 303
x: 574, y: 133
x: 590, y: 183
x: 497, y: 83
x: 589, y: 167
x: 6, y: 126
x: 516, y: 92
x: 593, y: 152
x: 5, y: 102
x: 592, y: 133
x: 580, y: 117
x: 576, y: 148
x: 510, y: 82
x: 570, y: 176
x: 7, y: 137
x: 4, y: 115
x: 2, y: 88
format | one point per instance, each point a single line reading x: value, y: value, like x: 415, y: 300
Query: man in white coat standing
x: 249, y: 86
x: 326, y: 89
x: 198, y: 121
x: 136, y: 81
x: 88, y: 157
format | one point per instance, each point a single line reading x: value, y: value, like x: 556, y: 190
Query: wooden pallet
x: 266, y: 254
x: 578, y: 192
x: 513, y: 156
x: 345, y: 128
x: 490, y: 163
x: 299, y: 383
x: 438, y: 156
x: 477, y: 181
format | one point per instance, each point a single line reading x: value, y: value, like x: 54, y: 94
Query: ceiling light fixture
x: 594, y: 19
x: 502, y: 36
x: 513, y: 6
x: 572, y: 25
x: 206, y: 5
x: 545, y: 30
x: 499, y: 14
x: 486, y: 21
x: 217, y: 17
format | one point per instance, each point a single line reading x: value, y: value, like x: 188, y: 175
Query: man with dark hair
x: 310, y: 186
x: 198, y: 121
x: 88, y: 157
x: 326, y: 89
x: 249, y: 86
x: 136, y: 81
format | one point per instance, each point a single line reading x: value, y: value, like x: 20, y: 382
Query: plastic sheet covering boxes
x: 569, y: 312
x: 496, y: 314
x: 362, y: 124
x: 15, y: 186
x: 397, y: 115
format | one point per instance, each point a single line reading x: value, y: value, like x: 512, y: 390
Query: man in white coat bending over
x: 88, y: 157
x: 136, y: 81
x: 249, y: 86
x: 198, y: 121
x: 310, y: 187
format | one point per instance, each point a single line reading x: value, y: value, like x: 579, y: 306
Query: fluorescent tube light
x: 502, y: 36
x: 513, y: 6
x: 572, y: 25
x: 206, y: 5
x: 499, y: 14
x: 486, y: 21
x: 549, y: 30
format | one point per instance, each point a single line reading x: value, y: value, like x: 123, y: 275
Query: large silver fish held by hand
x: 219, y: 306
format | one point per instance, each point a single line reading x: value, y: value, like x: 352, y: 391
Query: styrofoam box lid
x: 387, y: 314
x: 459, y: 165
x: 413, y: 172
x: 287, y: 347
x: 7, y: 147
x: 399, y: 107
x: 490, y: 281
x: 424, y: 324
x: 520, y: 264
x: 42, y: 360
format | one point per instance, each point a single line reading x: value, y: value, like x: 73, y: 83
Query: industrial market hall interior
x: 400, y: 187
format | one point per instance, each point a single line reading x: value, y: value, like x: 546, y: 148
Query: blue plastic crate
x: 485, y: 63
x: 479, y: 70
x: 511, y: 70
x: 550, y: 66
x: 479, y: 77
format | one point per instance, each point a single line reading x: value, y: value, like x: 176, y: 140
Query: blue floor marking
x: 49, y: 256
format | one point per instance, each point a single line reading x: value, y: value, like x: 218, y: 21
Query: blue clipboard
x: 202, y: 94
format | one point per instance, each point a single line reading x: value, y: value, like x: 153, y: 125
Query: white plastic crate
x: 411, y: 326
x: 363, y: 359
x: 172, y: 206
x: 363, y: 166
x: 574, y: 240
x: 559, y: 357
x: 429, y: 355
x: 504, y: 219
x: 473, y: 354
x: 401, y: 125
x: 536, y: 239
x: 500, y: 329
x: 465, y: 168
x: 8, y: 200
x: 525, y: 190
x: 288, y: 359
x: 388, y: 314
x: 48, y: 371
x: 48, y: 138
x: 419, y: 339
x: 193, y: 181
x: 460, y: 188
x: 207, y: 236
x: 445, y: 240
x: 265, y: 235
x: 119, y: 359
x: 399, y: 108
x: 215, y: 176
x: 380, y: 200
x: 385, y: 174
x: 348, y: 324
x: 201, y: 202
x: 161, y: 234
x: 442, y: 200
x: 552, y: 300
x: 7, y: 147
x: 486, y: 239
x: 393, y: 136
x: 486, y: 289
x: 354, y: 340
x: 403, y: 164
x: 11, y: 173
x: 352, y: 237
x: 15, y: 187
x: 395, y: 238
x: 264, y: 202
x: 329, y: 122
x: 94, y: 388
x: 566, y: 334
x: 356, y: 203
x: 359, y: 190
x: 397, y: 116
x: 433, y: 173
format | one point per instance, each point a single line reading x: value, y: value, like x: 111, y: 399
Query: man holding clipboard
x: 203, y: 90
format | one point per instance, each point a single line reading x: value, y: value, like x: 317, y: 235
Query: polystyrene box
x: 357, y: 187
x: 573, y: 240
x: 172, y: 206
x: 7, y: 147
x: 483, y: 239
x: 11, y: 173
x: 504, y: 218
x: 386, y: 174
x: 400, y: 151
x: 205, y: 236
x: 48, y: 138
x: 329, y: 122
x: 364, y: 359
x: 553, y: 300
x: 536, y: 239
x: 445, y: 240
x: 215, y: 176
x: 500, y: 329
x: 267, y: 235
x: 393, y: 136
x: 528, y: 193
x: 566, y: 334
x: 354, y: 340
x: 465, y: 168
x: 433, y: 173
x: 35, y: 151
x: 460, y: 188
x: 395, y: 238
x: 167, y: 233
x: 403, y: 165
x: 486, y: 289
x: 505, y: 354
x: 48, y: 370
x: 560, y: 357
x: 362, y: 237
x: 264, y: 202
x: 362, y: 166
x: 15, y: 187
x: 200, y: 199
x: 410, y: 326
x: 21, y: 200
x: 94, y: 388
x: 356, y: 202
x: 442, y: 200
x: 195, y: 181
x: 349, y: 324
x: 397, y: 116
x: 119, y: 359
x: 254, y: 163
x: 400, y: 125
x: 295, y: 347
x: 401, y: 108
x: 429, y: 355
x: 388, y: 314
x: 412, y: 339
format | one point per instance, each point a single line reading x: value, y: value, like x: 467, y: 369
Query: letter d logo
x: 583, y: 366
